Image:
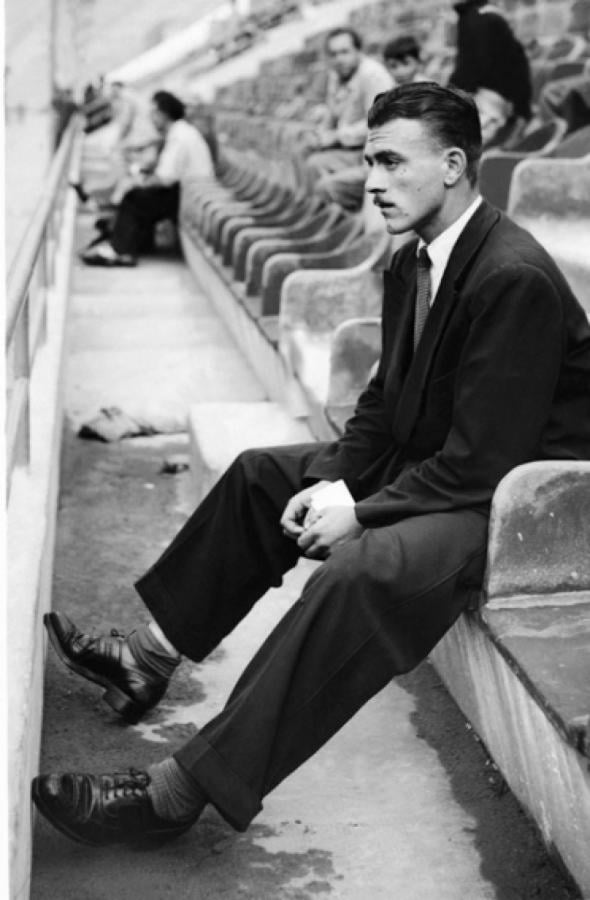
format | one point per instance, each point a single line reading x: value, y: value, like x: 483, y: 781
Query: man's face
x: 407, y: 170
x: 158, y: 118
x: 343, y: 56
x: 402, y: 69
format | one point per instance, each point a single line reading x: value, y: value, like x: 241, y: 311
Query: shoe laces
x: 125, y: 784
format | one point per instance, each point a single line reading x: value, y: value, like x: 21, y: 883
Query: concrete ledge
x: 218, y: 432
x: 548, y: 775
x: 30, y: 522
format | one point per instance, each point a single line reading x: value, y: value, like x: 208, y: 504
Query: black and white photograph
x: 297, y: 450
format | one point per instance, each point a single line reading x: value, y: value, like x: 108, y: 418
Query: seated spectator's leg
x: 347, y: 188
x: 230, y: 551
x: 373, y: 610
x: 140, y: 209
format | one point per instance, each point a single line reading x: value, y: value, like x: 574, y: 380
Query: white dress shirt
x: 185, y: 155
x: 440, y: 249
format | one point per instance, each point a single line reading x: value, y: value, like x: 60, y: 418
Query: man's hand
x: 329, y: 528
x: 296, y: 510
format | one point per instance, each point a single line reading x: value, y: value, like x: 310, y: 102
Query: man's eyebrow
x: 384, y: 156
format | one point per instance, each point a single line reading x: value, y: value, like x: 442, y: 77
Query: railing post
x: 18, y: 442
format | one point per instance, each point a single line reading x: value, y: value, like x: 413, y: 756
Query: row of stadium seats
x: 298, y: 269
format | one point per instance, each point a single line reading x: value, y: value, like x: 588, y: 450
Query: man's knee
x: 356, y: 574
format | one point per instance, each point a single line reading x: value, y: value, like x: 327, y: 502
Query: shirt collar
x: 440, y: 249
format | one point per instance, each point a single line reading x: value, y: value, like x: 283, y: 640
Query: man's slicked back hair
x: 169, y: 104
x: 450, y: 114
x: 357, y: 41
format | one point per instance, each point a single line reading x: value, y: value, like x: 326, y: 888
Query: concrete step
x: 220, y: 431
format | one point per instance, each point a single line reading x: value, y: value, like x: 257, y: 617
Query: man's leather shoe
x: 131, y: 690
x: 104, y: 809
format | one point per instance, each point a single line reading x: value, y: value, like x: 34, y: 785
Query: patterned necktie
x: 423, y: 293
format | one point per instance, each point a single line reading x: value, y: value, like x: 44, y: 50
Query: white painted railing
x: 30, y: 279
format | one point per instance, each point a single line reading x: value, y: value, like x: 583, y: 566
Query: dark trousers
x: 372, y: 610
x: 139, y: 211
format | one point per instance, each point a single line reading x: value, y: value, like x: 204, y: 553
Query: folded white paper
x: 334, y: 494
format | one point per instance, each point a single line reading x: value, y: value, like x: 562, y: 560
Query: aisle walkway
x: 401, y: 804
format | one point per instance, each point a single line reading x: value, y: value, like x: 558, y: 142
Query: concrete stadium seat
x: 551, y: 197
x: 313, y: 303
x: 350, y: 252
x: 574, y: 146
x: 303, y: 222
x: 497, y: 166
x: 282, y: 206
x: 270, y: 202
x: 336, y: 230
x: 354, y: 352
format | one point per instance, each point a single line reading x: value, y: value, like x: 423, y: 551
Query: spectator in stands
x: 402, y: 60
x: 336, y: 166
x: 485, y: 365
x: 185, y: 157
x: 492, y: 65
x: 131, y: 138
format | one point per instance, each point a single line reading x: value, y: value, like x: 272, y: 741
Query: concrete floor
x: 403, y: 803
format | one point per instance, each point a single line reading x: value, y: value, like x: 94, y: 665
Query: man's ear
x: 455, y: 164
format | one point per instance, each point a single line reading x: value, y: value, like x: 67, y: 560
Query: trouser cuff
x: 233, y: 799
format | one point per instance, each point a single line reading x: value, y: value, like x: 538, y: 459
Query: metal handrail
x: 30, y: 277
x: 22, y: 267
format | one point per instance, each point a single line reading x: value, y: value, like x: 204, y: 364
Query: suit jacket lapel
x: 470, y: 239
x: 398, y: 312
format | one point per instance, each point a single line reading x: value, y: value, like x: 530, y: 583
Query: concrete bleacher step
x: 218, y: 432
x: 255, y: 344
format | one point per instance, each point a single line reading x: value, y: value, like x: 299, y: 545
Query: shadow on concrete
x: 513, y: 856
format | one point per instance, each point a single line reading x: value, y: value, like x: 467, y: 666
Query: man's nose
x: 374, y: 183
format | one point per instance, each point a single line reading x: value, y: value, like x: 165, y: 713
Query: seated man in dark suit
x: 485, y: 365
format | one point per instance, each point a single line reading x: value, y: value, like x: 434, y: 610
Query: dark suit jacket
x: 490, y: 56
x: 500, y: 377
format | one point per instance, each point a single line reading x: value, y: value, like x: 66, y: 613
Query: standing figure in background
x: 492, y: 65
x: 336, y: 165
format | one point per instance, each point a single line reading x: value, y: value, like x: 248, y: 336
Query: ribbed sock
x: 150, y: 654
x: 174, y: 794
